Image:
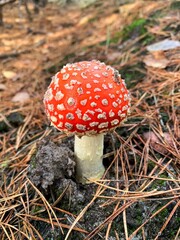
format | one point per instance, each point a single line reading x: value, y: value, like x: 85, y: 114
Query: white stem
x: 89, y: 152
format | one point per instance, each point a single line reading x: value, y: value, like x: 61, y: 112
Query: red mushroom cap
x: 87, y: 97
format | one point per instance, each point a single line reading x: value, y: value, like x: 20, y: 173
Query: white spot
x: 95, y: 81
x: 98, y: 110
x: 117, y: 92
x: 104, y: 102
x: 102, y: 116
x: 114, y: 122
x: 48, y: 96
x: 60, y: 125
x: 93, y: 124
x: 97, y: 97
x: 108, y: 68
x: 97, y: 90
x: 86, y: 117
x: 83, y: 102
x: 68, y: 65
x: 123, y: 115
x: 69, y: 126
x: 124, y: 108
x: 97, y: 75
x: 80, y: 91
x: 110, y: 85
x: 69, y: 116
x: 60, y: 107
x: 79, y: 114
x: 59, y: 96
x: 104, y: 86
x: 88, y: 92
x: 105, y: 74
x: 65, y: 76
x: 119, y: 101
x: 93, y: 104
x: 90, y: 112
x: 67, y: 86
x: 53, y: 119
x: 102, y: 64
x: 73, y: 82
x: 111, y: 113
x: 88, y: 85
x: 71, y: 101
x: 63, y: 70
x: 119, y: 113
x: 81, y: 127
x: 115, y: 104
x: 103, y: 125
x: 96, y: 67
x: 122, y: 89
x: 77, y: 68
x: 74, y: 74
x: 60, y: 116
x: 56, y: 79
x: 111, y: 95
x: 125, y: 97
x: 83, y: 75
x: 50, y: 107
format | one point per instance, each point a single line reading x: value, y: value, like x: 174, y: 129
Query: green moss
x: 175, y: 5
x: 137, y: 27
x: 117, y: 36
x: 132, y: 74
x: 159, y: 182
x: 151, y: 165
x: 4, y: 164
x: 36, y: 209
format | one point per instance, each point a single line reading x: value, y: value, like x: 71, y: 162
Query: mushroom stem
x: 89, y: 152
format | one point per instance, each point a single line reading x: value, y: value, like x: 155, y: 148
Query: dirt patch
x: 51, y: 163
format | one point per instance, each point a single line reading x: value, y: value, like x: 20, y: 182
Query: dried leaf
x: 156, y: 143
x: 164, y: 45
x: 21, y: 97
x: 9, y: 74
x: 151, y: 61
x: 85, y: 20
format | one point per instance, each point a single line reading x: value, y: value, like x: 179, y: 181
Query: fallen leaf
x: 9, y: 74
x: 21, y: 97
x: 156, y: 143
x: 85, y: 20
x: 151, y: 61
x: 164, y: 45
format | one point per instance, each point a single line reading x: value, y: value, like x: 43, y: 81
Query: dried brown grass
x: 20, y: 199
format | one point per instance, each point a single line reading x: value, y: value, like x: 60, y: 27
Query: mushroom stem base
x: 89, y: 152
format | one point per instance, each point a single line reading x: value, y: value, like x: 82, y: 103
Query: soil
x: 52, y: 170
x: 51, y: 163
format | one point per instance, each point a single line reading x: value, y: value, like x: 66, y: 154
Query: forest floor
x: 138, y: 197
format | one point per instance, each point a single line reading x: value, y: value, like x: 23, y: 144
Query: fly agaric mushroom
x: 88, y: 99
